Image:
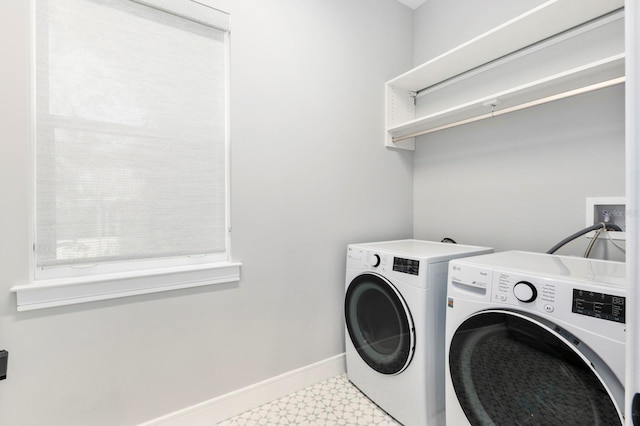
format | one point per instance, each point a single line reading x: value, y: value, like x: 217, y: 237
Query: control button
x: 375, y: 260
x: 548, y: 308
x: 503, y: 297
x: 525, y: 291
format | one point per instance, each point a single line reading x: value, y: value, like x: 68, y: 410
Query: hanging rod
x: 514, y: 108
x: 533, y: 47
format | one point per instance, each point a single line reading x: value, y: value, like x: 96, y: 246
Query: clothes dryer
x: 535, y: 339
x: 394, y: 315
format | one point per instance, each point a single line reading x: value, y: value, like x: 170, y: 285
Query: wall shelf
x: 561, y: 48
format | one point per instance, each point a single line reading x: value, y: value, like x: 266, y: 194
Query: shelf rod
x: 519, y: 107
x: 532, y: 48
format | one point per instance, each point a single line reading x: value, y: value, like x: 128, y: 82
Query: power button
x: 548, y: 308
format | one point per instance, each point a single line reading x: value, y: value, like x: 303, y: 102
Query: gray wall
x: 309, y: 175
x: 518, y: 181
x: 441, y: 25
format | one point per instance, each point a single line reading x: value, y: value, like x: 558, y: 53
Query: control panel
x: 599, y: 305
x: 406, y: 266
x: 365, y: 259
x: 536, y: 293
x: 407, y: 269
x: 515, y: 289
x: 380, y: 261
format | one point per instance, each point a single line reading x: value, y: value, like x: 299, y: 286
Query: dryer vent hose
x: 601, y: 225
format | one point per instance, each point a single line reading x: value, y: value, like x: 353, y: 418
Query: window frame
x: 73, y: 285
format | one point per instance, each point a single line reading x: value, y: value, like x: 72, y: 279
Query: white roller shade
x: 130, y: 134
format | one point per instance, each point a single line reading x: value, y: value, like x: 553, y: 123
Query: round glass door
x: 379, y: 324
x: 507, y: 369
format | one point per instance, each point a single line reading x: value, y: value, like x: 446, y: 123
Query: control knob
x: 374, y: 260
x: 525, y: 292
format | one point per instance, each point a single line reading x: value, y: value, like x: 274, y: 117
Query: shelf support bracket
x: 492, y: 103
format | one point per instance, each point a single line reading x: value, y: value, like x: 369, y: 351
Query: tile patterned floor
x: 334, y: 401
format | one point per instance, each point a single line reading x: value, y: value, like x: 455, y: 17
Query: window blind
x: 131, y: 134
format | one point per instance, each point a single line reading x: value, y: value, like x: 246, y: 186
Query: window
x: 131, y: 149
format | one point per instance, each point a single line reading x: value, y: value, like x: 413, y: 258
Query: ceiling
x: 413, y: 4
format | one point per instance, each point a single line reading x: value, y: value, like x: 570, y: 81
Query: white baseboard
x: 215, y: 410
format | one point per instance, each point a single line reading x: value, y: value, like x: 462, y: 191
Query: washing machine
x: 535, y: 339
x: 394, y: 315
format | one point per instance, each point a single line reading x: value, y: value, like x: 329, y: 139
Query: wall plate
x: 609, y: 210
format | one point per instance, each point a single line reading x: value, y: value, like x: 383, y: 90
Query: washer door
x: 507, y: 368
x: 379, y: 324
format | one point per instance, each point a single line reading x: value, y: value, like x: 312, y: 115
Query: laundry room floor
x: 334, y: 401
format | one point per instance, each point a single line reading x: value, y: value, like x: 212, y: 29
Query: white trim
x: 31, y: 165
x: 223, y: 407
x: 83, y: 272
x: 201, y: 11
x: 632, y: 180
x: 69, y: 291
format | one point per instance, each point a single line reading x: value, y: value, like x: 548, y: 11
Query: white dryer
x: 535, y: 339
x: 394, y: 315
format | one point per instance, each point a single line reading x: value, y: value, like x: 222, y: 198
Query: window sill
x: 42, y: 294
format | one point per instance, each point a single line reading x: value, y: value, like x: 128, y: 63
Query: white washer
x: 535, y: 339
x: 394, y: 314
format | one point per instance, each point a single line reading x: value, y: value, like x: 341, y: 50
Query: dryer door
x: 379, y: 323
x: 507, y: 368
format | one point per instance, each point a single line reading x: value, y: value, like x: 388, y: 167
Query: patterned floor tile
x: 334, y: 401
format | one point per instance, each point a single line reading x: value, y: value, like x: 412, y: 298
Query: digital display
x: 407, y: 266
x: 599, y: 305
